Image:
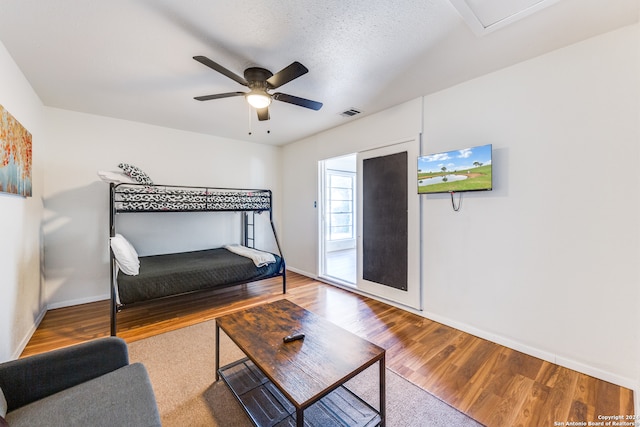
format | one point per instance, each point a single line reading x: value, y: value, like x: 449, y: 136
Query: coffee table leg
x: 217, y: 351
x: 383, y: 393
x: 300, y: 417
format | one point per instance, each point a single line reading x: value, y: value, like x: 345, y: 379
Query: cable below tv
x: 456, y: 209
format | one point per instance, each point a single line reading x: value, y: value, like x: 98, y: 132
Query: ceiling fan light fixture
x: 258, y: 99
x: 260, y: 81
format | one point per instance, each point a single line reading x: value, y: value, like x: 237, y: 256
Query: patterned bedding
x: 174, y: 274
x: 144, y: 198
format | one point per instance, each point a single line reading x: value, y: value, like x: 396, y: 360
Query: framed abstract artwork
x: 15, y: 156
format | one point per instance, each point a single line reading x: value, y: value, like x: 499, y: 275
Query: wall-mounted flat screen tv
x: 455, y: 171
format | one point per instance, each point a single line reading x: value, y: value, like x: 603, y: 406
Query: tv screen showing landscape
x: 455, y: 171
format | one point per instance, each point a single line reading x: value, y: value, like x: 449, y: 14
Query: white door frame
x: 321, y: 205
x: 412, y: 297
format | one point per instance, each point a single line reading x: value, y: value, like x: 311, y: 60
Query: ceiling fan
x: 261, y: 81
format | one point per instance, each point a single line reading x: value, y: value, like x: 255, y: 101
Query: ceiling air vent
x: 350, y: 112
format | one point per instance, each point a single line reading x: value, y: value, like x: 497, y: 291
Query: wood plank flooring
x: 493, y: 384
x: 342, y: 265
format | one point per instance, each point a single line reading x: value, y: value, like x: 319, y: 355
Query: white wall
x: 300, y: 174
x: 547, y: 262
x: 550, y: 256
x: 22, y: 301
x: 54, y: 249
x: 76, y: 202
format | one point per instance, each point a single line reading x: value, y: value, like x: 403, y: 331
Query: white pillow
x: 3, y: 405
x: 116, y: 177
x: 126, y: 255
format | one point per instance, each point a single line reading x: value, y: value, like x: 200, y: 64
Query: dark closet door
x: 384, y: 220
x: 388, y: 212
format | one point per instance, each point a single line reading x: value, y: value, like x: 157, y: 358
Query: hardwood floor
x: 342, y: 265
x: 493, y: 384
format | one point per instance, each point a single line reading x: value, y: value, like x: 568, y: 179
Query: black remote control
x: 293, y: 337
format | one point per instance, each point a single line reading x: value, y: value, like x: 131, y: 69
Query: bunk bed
x: 149, y: 278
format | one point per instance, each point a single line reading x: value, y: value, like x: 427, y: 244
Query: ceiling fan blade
x: 287, y: 74
x: 219, y: 68
x: 302, y: 102
x: 218, y: 96
x: 263, y: 113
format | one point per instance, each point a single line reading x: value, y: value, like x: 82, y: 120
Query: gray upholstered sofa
x: 89, y: 384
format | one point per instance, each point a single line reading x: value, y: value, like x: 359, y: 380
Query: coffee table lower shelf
x: 267, y: 406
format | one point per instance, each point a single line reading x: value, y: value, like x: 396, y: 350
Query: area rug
x: 181, y: 366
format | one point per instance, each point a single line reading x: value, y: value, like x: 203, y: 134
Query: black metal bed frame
x: 213, y: 193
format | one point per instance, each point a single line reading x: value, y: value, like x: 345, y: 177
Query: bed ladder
x: 249, y: 229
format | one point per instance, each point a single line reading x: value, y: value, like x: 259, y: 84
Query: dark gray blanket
x: 173, y: 274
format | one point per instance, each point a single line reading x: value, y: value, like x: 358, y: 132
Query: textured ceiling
x: 132, y: 59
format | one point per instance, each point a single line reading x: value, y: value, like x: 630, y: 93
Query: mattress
x: 166, y: 198
x: 173, y: 274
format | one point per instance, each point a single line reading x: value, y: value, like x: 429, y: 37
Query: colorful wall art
x: 15, y: 156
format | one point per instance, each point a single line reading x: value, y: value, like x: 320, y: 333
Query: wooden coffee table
x: 300, y: 382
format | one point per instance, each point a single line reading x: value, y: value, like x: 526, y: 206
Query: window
x: 340, y: 205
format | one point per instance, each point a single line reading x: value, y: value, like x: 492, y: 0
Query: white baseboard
x: 597, y: 373
x: 568, y: 363
x: 79, y: 301
x: 304, y: 273
x: 32, y: 330
x: 25, y: 341
x: 629, y: 383
x: 636, y: 398
x: 536, y: 352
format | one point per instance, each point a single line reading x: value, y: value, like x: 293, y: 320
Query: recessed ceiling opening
x: 484, y: 16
